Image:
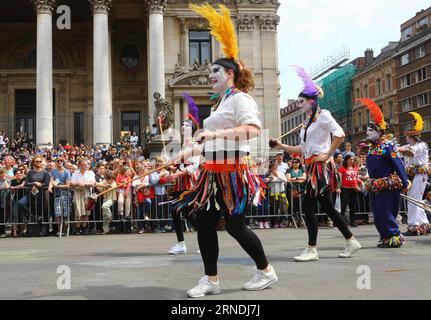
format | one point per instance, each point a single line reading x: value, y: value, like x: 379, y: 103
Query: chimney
x: 369, y: 56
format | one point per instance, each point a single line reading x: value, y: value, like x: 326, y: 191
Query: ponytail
x: 311, y: 120
x: 244, y: 78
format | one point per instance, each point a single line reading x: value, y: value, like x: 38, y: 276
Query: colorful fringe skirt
x: 321, y: 177
x: 236, y: 185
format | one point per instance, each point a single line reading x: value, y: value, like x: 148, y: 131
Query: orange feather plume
x: 222, y: 27
x: 375, y: 112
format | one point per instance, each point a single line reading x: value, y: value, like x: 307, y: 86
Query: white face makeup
x: 305, y: 104
x: 372, y: 134
x: 187, y: 130
x: 411, y: 141
x: 219, y: 78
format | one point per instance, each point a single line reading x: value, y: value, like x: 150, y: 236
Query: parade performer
x: 187, y: 173
x: 227, y: 184
x: 387, y: 177
x: 416, y: 158
x: 322, y: 175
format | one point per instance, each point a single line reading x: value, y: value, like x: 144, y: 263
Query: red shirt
x: 350, y: 177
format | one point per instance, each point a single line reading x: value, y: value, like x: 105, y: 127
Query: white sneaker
x: 178, y: 249
x: 261, y: 280
x: 309, y: 254
x: 351, y: 247
x: 204, y: 287
x: 260, y: 225
x: 266, y: 225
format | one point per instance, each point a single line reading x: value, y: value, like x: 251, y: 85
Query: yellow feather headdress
x: 419, y: 126
x: 221, y: 26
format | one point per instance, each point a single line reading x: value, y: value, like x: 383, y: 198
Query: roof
x: 387, y: 52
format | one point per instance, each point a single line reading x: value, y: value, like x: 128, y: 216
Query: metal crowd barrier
x: 19, y: 207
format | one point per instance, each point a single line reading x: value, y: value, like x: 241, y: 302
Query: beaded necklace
x: 229, y: 92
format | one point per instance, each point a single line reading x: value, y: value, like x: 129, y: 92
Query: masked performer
x: 227, y: 183
x: 186, y: 175
x: 416, y: 156
x: 387, y: 177
x: 322, y: 175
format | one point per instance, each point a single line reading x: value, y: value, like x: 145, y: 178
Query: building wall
x: 256, y: 25
x: 416, y: 88
x: 386, y: 98
x: 291, y: 116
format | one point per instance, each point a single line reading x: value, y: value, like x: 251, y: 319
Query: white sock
x: 182, y: 243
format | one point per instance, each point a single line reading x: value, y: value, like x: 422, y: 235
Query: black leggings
x: 308, y: 206
x: 235, y: 225
x: 178, y: 221
x: 349, y: 197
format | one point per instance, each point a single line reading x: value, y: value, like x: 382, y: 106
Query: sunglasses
x: 37, y: 161
x: 301, y: 100
x: 59, y: 161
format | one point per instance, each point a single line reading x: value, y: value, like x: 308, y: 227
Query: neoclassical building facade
x: 82, y: 71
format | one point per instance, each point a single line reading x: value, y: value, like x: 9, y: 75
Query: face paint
x: 219, y: 78
x: 411, y: 140
x: 187, y: 129
x: 305, y: 104
x: 372, y: 134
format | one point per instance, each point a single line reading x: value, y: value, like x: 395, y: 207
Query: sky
x: 312, y: 30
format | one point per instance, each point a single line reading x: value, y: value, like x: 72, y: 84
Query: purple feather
x: 309, y: 87
x: 193, y: 108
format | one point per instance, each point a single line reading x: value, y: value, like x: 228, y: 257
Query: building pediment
x: 195, y: 75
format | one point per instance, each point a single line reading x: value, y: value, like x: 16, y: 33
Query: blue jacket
x: 383, y: 161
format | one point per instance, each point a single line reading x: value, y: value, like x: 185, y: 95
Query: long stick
x: 287, y: 133
x: 139, y: 177
x: 416, y: 202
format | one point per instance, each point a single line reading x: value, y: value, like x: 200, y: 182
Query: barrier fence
x: 21, y: 207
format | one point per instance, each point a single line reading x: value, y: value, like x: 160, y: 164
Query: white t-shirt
x: 319, y: 134
x: 234, y: 111
x: 282, y: 167
x: 87, y: 178
x: 134, y: 140
x: 420, y: 157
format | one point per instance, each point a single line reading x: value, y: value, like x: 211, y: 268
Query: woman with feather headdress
x: 322, y: 175
x: 387, y: 177
x: 228, y: 183
x: 416, y: 155
x: 186, y: 174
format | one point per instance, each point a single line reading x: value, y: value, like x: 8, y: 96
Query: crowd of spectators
x: 42, y: 189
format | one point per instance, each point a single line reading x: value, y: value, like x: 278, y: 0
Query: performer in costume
x: 416, y: 156
x: 322, y: 175
x: 227, y: 184
x: 387, y: 177
x: 186, y: 175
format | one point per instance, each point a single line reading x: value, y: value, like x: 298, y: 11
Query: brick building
x: 413, y: 70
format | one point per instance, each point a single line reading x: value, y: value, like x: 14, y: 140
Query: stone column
x: 271, y: 96
x: 102, y: 105
x: 44, y: 113
x: 156, y: 54
x: 246, y: 27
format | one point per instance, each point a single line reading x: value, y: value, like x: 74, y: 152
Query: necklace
x: 229, y: 92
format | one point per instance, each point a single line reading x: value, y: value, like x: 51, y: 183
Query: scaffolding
x: 337, y: 88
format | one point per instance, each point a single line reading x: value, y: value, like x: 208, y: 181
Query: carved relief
x: 100, y: 6
x: 195, y: 75
x: 156, y: 5
x: 45, y: 6
x: 269, y: 23
x: 245, y: 23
